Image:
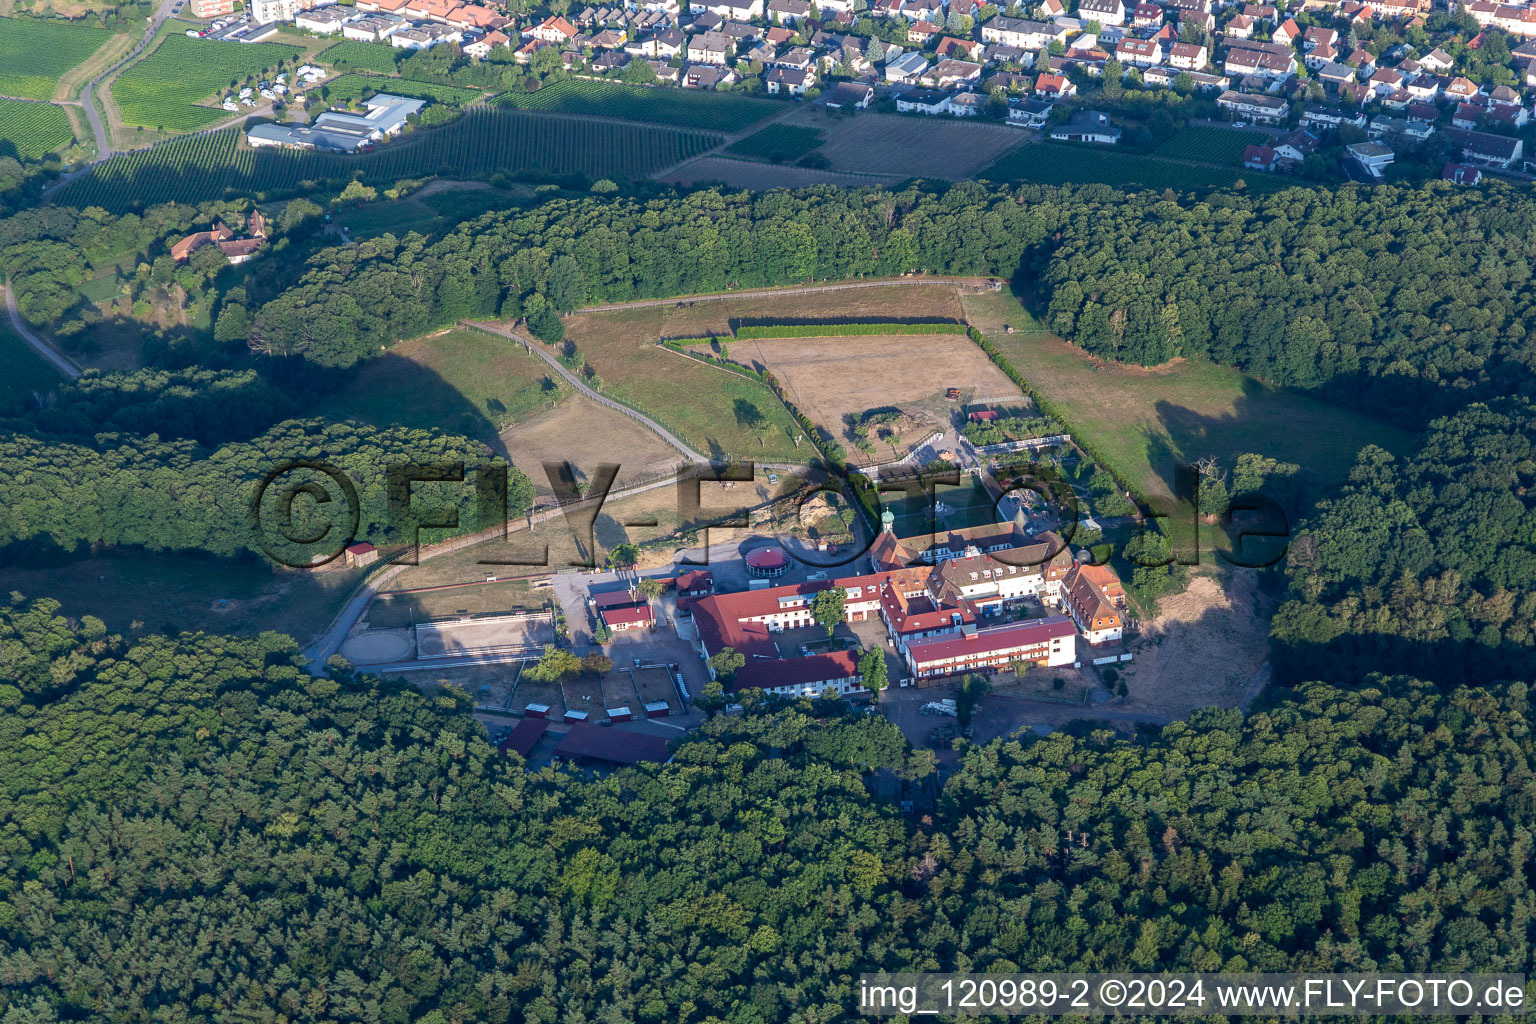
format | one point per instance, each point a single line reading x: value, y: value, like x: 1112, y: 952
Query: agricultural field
x: 481, y: 142
x: 777, y: 143
x: 346, y: 88
x: 906, y: 147
x: 1052, y: 163
x: 352, y: 53
x: 163, y: 89
x: 34, y: 55
x: 691, y: 108
x: 31, y: 130
x: 1210, y: 145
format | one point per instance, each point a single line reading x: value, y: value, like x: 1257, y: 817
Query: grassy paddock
x: 713, y: 410
x: 462, y: 381
x: 1145, y: 421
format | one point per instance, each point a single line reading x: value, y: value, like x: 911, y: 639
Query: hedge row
x: 845, y: 330
x: 676, y: 345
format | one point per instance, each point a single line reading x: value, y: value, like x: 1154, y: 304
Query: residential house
x: 854, y: 95
x: 1140, y: 53
x: 1317, y: 36
x: 555, y: 31
x: 1029, y: 113
x: 326, y: 21
x: 1260, y: 158
x: 709, y: 48
x: 1437, y: 60
x: 707, y: 76
x: 1372, y: 156
x: 1287, y: 32
x: 1095, y: 599
x: 923, y: 101
x: 373, y: 28
x: 921, y: 32
x: 1297, y: 146
x: 1054, y: 86
x: 734, y: 10
x: 959, y: 49
x: 481, y: 48
x: 666, y: 43
x: 1027, y: 35
x: 1331, y: 117
x: 1261, y: 109
x: 906, y: 68
x: 419, y: 37
x: 792, y: 81
x: 1188, y: 56
x: 1334, y: 75
x: 788, y: 12
x: 1260, y: 64
x: 1087, y: 126
x: 1487, y: 150
x: 1462, y: 174
x: 1240, y: 27
x: 1165, y: 77
x: 967, y: 104
x: 1320, y: 57
x: 1147, y: 15
x: 950, y: 74
x: 1105, y: 12
x: 1385, y: 81
x: 182, y: 250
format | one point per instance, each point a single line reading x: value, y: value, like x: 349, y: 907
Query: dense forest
x: 194, y: 828
x: 135, y: 490
x: 1428, y: 562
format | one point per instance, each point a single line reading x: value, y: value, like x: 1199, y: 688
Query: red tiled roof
x: 617, y: 746
x: 621, y: 616
x: 988, y: 641
x: 816, y: 668
x: 524, y: 735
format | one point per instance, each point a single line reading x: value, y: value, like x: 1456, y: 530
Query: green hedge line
x: 845, y: 330
x: 676, y: 345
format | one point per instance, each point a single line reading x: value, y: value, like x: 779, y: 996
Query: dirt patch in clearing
x: 1206, y: 648
x: 830, y: 379
x: 581, y: 432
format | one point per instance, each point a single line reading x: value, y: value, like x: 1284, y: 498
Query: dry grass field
x: 585, y: 434
x: 908, y: 147
x: 716, y: 412
x: 832, y: 378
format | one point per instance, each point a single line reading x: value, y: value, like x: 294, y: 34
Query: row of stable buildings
x: 944, y: 602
